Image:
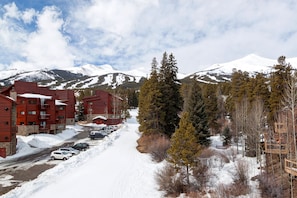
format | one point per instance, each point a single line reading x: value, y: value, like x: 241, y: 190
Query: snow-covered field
x: 112, y: 167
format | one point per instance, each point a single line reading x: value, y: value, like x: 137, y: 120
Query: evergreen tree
x: 211, y: 105
x: 184, y: 148
x: 261, y: 90
x: 239, y: 86
x: 150, y: 98
x: 170, y: 89
x: 227, y: 136
x: 197, y: 114
x: 278, y: 81
x: 132, y: 99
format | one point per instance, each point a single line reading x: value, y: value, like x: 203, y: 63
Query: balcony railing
x: 44, y: 106
x: 44, y: 116
x: 276, y: 148
x: 291, y: 167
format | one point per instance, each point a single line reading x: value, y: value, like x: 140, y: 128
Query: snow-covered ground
x: 112, y: 167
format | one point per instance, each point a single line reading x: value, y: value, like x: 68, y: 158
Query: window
x: 32, y: 101
x: 22, y: 112
x: 31, y: 123
x: 6, y: 108
x: 32, y: 112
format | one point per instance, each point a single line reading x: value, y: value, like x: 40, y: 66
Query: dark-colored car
x: 81, y: 146
x: 96, y: 135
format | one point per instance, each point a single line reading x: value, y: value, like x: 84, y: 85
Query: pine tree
x: 197, y: 114
x: 226, y: 136
x: 211, y: 105
x: 278, y: 81
x: 132, y: 99
x: 261, y: 90
x: 170, y: 89
x: 150, y: 98
x: 184, y: 148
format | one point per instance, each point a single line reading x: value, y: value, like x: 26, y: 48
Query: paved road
x: 28, y: 167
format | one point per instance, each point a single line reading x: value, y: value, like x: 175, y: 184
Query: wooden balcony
x: 280, y: 127
x: 44, y: 116
x: 44, y: 106
x: 276, y: 148
x: 291, y: 167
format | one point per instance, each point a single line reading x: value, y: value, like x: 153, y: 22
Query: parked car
x: 82, y: 146
x: 61, y: 155
x: 70, y: 150
x: 96, y: 135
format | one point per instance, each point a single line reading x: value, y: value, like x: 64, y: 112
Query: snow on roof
x: 10, y: 98
x: 30, y: 95
x: 59, y: 102
x: 100, y: 117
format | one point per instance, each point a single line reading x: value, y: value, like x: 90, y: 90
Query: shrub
x: 223, y: 191
x: 241, y: 175
x: 158, y: 148
x: 269, y: 186
x: 169, y: 181
x: 232, y: 154
x: 201, y: 176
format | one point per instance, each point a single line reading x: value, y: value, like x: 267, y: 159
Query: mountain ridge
x: 106, y: 76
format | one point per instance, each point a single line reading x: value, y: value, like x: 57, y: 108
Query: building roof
x: 30, y: 95
x: 7, y: 97
x: 100, y: 117
x: 60, y: 103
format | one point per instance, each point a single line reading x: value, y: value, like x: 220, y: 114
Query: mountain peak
x: 249, y: 63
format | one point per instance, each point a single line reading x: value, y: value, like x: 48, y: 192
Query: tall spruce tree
x: 197, y: 114
x: 171, y: 97
x: 211, y: 106
x: 278, y: 81
x: 150, y: 102
x: 184, y: 148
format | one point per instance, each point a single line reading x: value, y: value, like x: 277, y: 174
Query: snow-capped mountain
x: 75, y: 77
x: 251, y: 63
x: 87, y: 76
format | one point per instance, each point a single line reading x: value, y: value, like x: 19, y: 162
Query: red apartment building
x: 103, y: 107
x: 7, y: 126
x: 39, y: 109
x: 67, y: 97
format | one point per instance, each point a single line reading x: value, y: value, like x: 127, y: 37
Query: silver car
x: 60, y: 155
x: 70, y: 150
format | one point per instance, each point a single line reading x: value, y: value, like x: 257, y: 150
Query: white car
x: 70, y: 150
x: 60, y: 155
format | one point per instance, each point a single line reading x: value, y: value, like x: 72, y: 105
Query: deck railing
x: 291, y: 167
x: 276, y: 148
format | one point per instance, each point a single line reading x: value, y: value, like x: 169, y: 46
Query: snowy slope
x: 93, y: 70
x: 250, y: 63
x: 113, y: 168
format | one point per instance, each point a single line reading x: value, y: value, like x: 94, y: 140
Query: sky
x: 127, y: 34
x: 112, y: 167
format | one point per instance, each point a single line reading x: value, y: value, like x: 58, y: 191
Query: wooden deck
x: 291, y: 167
x: 275, y: 148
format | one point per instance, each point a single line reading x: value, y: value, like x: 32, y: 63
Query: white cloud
x: 130, y: 33
x: 47, y: 47
x: 11, y: 11
x: 28, y: 15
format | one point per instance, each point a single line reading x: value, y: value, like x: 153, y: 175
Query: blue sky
x: 127, y: 34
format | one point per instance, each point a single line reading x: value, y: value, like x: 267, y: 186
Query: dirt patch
x: 20, y: 176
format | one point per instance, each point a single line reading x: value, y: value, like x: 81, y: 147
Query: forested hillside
x: 246, y: 107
